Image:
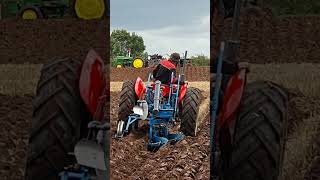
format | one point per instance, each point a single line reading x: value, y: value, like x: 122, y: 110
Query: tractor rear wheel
x: 137, y: 63
x: 128, y: 99
x: 260, y: 134
x: 59, y: 120
x: 90, y: 9
x: 189, y: 112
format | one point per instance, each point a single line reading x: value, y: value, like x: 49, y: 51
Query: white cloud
x: 193, y: 37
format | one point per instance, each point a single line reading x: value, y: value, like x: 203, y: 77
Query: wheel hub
x: 29, y: 14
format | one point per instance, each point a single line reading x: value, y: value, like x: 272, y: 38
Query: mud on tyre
x: 128, y: 100
x: 59, y: 119
x: 189, y: 112
x: 260, y: 134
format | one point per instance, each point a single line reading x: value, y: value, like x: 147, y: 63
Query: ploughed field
x: 189, y: 158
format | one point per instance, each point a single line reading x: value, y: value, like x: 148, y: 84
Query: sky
x: 165, y: 25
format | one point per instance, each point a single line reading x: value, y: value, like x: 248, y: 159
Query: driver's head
x: 174, y: 58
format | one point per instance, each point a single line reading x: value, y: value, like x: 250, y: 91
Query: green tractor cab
x: 122, y: 61
x: 37, y: 9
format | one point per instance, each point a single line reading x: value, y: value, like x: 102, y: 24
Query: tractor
x: 127, y: 61
x: 162, y: 106
x: 249, y: 120
x: 37, y: 9
x: 153, y: 60
x: 69, y: 136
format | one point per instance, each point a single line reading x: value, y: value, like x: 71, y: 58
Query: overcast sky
x: 166, y: 25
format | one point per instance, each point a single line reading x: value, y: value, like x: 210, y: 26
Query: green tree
x: 121, y: 40
x: 200, y: 60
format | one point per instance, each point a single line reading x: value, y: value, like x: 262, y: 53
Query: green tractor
x: 38, y: 9
x: 127, y: 61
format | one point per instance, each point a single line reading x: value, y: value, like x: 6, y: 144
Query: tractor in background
x: 162, y: 106
x: 69, y: 135
x: 153, y: 60
x: 38, y: 9
x: 127, y: 61
x: 248, y: 120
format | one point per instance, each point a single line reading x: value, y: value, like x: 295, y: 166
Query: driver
x: 163, y: 71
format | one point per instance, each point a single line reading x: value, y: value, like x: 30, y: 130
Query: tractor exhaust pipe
x: 182, y: 66
x: 156, y: 99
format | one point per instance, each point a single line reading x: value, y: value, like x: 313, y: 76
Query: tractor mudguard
x: 92, y: 84
x: 183, y: 91
x: 231, y: 102
x: 139, y: 88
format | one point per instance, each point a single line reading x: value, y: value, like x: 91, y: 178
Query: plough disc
x: 120, y: 129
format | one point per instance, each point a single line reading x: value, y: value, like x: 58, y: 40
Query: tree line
x: 121, y: 40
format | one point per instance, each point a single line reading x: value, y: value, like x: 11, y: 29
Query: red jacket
x: 163, y: 72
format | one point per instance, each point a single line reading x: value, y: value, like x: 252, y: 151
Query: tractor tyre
x: 189, y: 112
x: 259, y: 137
x: 59, y: 120
x: 30, y: 13
x: 128, y: 99
x: 90, y: 9
x: 137, y: 63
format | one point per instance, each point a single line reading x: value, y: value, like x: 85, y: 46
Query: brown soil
x: 40, y: 40
x: 266, y: 38
x: 15, y: 116
x: 301, y: 107
x: 314, y: 170
x: 130, y: 159
x: 192, y: 73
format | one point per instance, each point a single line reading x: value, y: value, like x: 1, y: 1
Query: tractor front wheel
x: 30, y: 13
x: 259, y: 137
x: 189, y: 112
x: 128, y: 100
